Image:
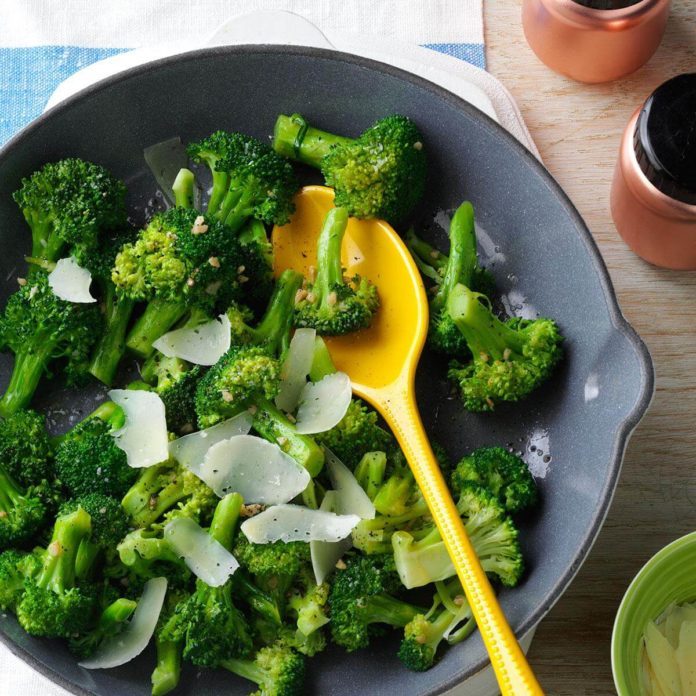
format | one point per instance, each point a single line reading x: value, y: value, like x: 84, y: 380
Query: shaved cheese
x: 296, y: 367
x: 323, y: 404
x: 256, y: 469
x: 144, y: 436
x: 325, y: 554
x: 297, y: 523
x: 351, y: 499
x: 207, y: 558
x: 133, y: 639
x: 70, y: 282
x: 204, y: 344
x: 190, y: 450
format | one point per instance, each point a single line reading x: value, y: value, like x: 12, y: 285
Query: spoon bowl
x: 381, y: 362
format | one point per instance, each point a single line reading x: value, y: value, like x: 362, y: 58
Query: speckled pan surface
x: 573, y: 432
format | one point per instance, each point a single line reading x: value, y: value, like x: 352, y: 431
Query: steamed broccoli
x: 146, y: 554
x: 249, y: 179
x: 23, y: 513
x: 461, y: 267
x: 88, y: 460
x: 330, y: 303
x: 277, y: 670
x: 502, y: 473
x: 164, y: 489
x: 211, y: 626
x: 370, y: 472
x: 69, y: 203
x: 54, y: 603
x: 381, y: 174
x: 117, y: 308
x: 361, y: 599
x: 166, y: 675
x: 26, y: 452
x: 449, y: 619
x: 39, y: 328
x: 109, y: 526
x: 111, y: 622
x: 274, y: 567
x: 248, y: 376
x: 175, y: 381
x: 510, y: 358
x: 421, y: 556
x: 180, y: 261
x: 308, y: 606
x: 15, y: 568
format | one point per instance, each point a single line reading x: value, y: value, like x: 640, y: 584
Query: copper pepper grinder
x: 594, y: 40
x: 653, y: 194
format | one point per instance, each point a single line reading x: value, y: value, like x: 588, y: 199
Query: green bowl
x: 669, y: 576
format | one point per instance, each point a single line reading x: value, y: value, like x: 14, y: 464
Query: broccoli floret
x: 209, y: 623
x: 450, y: 619
x: 175, y: 382
x: 248, y: 377
x: 504, y: 474
x: 39, y: 328
x: 277, y: 670
x: 116, y: 307
x: 381, y: 174
x: 54, y: 605
x: 361, y: 599
x: 22, y: 512
x: 308, y: 606
x: 180, y: 261
x: 111, y: 622
x: 422, y: 558
x: 274, y: 566
x: 109, y: 526
x: 88, y: 460
x: 167, y: 489
x: 510, y: 359
x: 15, y: 568
x: 370, y: 472
x: 250, y: 372
x: 461, y: 267
x: 249, y: 179
x: 68, y: 203
x: 356, y: 434
x: 332, y: 304
x: 26, y: 451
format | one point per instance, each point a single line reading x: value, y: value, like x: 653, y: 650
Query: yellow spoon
x: 381, y: 362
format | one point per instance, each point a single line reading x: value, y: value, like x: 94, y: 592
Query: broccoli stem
x: 272, y: 425
x: 158, y: 318
x: 112, y: 344
x: 45, y: 243
x: 255, y: 233
x: 10, y: 494
x: 58, y: 570
x: 221, y: 185
x: 145, y: 502
x: 182, y: 188
x: 166, y: 675
x: 246, y: 669
x: 224, y: 523
x: 294, y: 138
x: 484, y: 333
x: 236, y: 208
x: 257, y: 599
x: 370, y: 472
x: 329, y: 269
x: 274, y: 329
x: 322, y: 363
x: 29, y: 366
x: 388, y: 610
x: 462, y: 257
x: 430, y: 261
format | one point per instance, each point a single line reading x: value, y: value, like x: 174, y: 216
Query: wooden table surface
x: 577, y: 129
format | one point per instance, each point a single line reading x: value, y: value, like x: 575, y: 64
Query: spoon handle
x: 514, y: 675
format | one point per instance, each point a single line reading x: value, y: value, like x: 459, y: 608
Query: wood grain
x: 577, y: 129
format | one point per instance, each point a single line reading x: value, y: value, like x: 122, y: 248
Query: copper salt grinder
x: 653, y: 194
x: 594, y: 40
